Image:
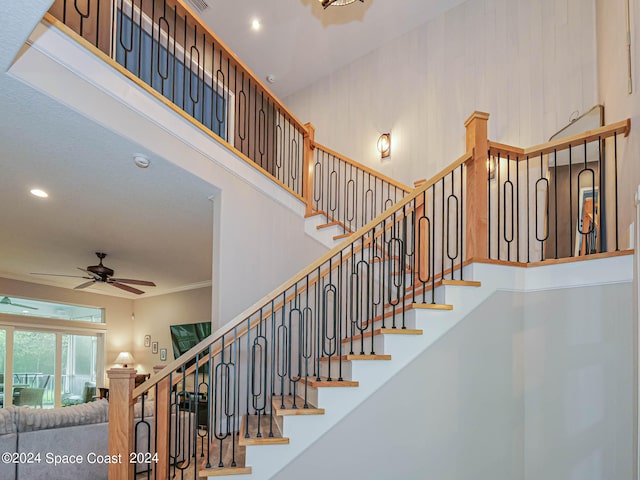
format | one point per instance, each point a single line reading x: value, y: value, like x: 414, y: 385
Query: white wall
x: 154, y: 315
x: 528, y: 386
x: 529, y: 63
x: 577, y: 352
x: 613, y: 92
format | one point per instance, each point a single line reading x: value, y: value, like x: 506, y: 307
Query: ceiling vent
x: 200, y: 5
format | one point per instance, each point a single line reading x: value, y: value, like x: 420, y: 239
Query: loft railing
x: 161, y: 43
x: 555, y: 200
x: 350, y: 194
x: 163, y: 47
x: 222, y: 394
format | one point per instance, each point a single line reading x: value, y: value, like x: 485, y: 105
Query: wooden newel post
x: 163, y: 445
x: 307, y: 176
x: 476, y: 186
x: 121, y: 383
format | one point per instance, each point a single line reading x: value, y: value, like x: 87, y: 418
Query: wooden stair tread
x: 344, y: 235
x: 462, y: 283
x: 323, y: 382
x: 432, y: 306
x: 267, y: 425
x: 356, y: 356
x: 385, y: 331
x: 327, y: 225
x: 288, y: 409
x: 227, y: 457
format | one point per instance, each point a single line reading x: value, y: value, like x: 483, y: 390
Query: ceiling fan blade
x: 84, y: 285
x: 93, y: 275
x: 126, y: 287
x: 58, y: 275
x: 133, y: 282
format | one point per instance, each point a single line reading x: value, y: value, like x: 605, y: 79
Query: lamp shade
x: 124, y: 358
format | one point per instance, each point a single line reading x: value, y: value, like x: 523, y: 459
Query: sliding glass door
x: 45, y: 369
x: 79, y: 368
x: 34, y: 368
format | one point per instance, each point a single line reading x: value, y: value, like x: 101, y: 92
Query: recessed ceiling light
x: 255, y: 24
x: 39, y: 193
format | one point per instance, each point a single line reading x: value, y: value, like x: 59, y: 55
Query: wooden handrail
x: 623, y: 127
x: 252, y: 310
x: 363, y: 167
x: 505, y: 150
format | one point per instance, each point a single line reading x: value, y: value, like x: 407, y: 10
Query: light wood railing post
x: 163, y: 406
x: 476, y: 186
x: 121, y: 383
x: 307, y: 169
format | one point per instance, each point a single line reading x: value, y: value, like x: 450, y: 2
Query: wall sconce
x: 124, y: 358
x: 384, y: 145
x: 491, y: 167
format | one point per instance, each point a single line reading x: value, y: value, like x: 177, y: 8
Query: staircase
x: 336, y: 393
x: 403, y: 269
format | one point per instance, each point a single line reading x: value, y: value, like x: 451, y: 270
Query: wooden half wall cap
x: 417, y: 183
x: 476, y: 115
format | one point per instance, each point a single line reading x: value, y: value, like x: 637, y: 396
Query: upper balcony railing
x: 161, y: 43
x: 164, y: 48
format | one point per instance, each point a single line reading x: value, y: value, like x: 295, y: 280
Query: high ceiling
x: 150, y: 221
x: 299, y: 42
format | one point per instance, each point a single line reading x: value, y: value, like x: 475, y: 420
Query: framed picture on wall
x: 154, y: 347
x: 147, y: 340
x: 163, y: 354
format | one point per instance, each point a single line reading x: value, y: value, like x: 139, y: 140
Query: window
x: 51, y: 355
x: 38, y: 308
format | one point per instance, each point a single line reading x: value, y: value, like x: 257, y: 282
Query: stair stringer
x: 304, y: 431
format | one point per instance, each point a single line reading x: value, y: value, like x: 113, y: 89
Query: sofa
x: 71, y: 442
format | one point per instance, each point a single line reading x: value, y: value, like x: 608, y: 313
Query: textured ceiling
x: 149, y: 221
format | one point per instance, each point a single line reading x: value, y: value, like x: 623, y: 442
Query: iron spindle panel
x: 615, y: 176
x: 489, y: 255
x: 452, y: 237
x: 517, y: 212
x: 498, y: 164
x: 462, y: 184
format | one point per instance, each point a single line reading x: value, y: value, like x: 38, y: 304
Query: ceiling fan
x: 102, y: 274
x: 7, y: 301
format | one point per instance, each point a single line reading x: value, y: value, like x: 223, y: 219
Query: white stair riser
x: 338, y: 370
x: 323, y: 235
